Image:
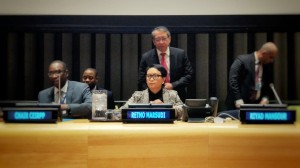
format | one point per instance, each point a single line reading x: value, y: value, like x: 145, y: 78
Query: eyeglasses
x: 58, y: 72
x: 163, y: 39
x: 154, y: 76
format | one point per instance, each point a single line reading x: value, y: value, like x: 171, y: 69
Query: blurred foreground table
x: 79, y: 143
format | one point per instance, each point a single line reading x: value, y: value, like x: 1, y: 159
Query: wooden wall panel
x: 85, y: 52
x: 145, y: 43
x: 13, y: 70
x: 116, y: 65
x: 101, y: 63
x: 30, y: 58
x: 296, y: 64
x: 29, y: 43
x: 201, y: 67
x: 280, y: 65
x: 129, y: 64
x: 48, y: 55
x: 221, y: 64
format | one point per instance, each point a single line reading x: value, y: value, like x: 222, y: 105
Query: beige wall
x: 146, y: 7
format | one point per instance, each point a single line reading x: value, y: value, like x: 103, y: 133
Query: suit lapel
x: 51, y: 95
x: 172, y: 65
x: 69, y: 92
x: 252, y: 63
x: 155, y: 57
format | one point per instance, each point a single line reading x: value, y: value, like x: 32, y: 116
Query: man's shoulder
x: 149, y: 52
x: 245, y: 57
x: 77, y: 84
x: 178, y: 53
x: 47, y: 90
x: 174, y: 49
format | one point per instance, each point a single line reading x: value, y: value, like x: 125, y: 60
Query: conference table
x: 81, y: 143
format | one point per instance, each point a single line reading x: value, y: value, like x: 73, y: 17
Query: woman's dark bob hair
x: 160, y: 68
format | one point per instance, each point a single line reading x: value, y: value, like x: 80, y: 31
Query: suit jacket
x: 78, y: 97
x: 169, y: 97
x: 110, y: 98
x: 181, y: 71
x: 242, y: 81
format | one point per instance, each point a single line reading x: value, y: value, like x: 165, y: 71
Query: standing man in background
x: 90, y: 77
x: 175, y: 61
x: 250, y: 77
x: 75, y: 97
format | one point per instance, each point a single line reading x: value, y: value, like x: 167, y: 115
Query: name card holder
x: 267, y: 116
x: 148, y: 115
x: 31, y: 114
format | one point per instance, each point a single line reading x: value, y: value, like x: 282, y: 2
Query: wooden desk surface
x: 79, y: 143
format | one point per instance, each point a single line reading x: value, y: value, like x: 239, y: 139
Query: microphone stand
x: 59, y: 95
x: 59, y: 91
x: 275, y: 93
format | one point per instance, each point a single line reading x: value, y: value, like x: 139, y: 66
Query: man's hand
x: 169, y: 86
x: 238, y: 103
x: 264, y: 101
x: 64, y: 107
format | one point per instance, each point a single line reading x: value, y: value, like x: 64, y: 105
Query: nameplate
x: 267, y: 116
x: 30, y: 115
x: 148, y: 115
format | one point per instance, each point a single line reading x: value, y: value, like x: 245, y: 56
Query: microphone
x: 59, y: 91
x: 275, y: 93
x: 59, y: 95
x: 214, y: 104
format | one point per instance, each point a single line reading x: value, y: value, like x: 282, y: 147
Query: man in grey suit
x: 177, y: 64
x: 75, y: 98
x: 250, y: 76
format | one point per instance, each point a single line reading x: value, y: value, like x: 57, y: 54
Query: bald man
x: 250, y: 76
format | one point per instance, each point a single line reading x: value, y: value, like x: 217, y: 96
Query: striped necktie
x: 164, y: 63
x: 60, y: 99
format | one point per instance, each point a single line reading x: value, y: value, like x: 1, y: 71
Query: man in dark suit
x: 180, y: 71
x: 90, y: 77
x: 75, y: 98
x: 250, y: 76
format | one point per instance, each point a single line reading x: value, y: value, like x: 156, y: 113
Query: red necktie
x: 257, y: 71
x: 254, y: 94
x: 164, y: 63
x: 258, y: 83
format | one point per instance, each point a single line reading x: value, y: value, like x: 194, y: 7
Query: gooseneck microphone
x: 59, y: 91
x: 275, y: 93
x: 59, y: 98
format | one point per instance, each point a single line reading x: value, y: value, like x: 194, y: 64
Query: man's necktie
x: 60, y: 99
x: 57, y: 97
x: 258, y: 73
x: 164, y: 63
x: 258, y: 83
x: 63, y: 97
